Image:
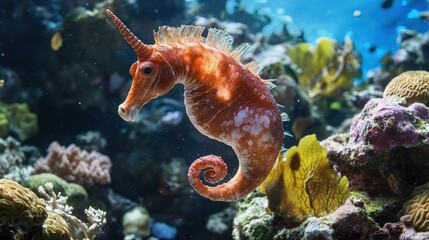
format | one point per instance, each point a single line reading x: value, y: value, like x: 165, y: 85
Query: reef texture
x: 293, y: 187
x: 54, y: 228
x: 418, y: 208
x: 386, y: 142
x: 19, y: 206
x: 350, y: 221
x: 75, y: 165
x: 413, y: 86
x: 17, y: 118
x: 12, y: 160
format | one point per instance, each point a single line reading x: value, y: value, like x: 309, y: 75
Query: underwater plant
x: 302, y: 184
x: 326, y: 69
x: 225, y: 100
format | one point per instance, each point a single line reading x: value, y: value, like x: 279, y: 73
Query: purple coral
x: 75, y: 165
x: 385, y: 124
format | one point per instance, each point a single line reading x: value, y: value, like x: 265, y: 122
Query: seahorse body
x: 225, y: 100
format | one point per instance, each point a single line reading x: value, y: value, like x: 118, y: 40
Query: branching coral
x: 79, y: 230
x: 75, y: 165
x: 303, y: 184
x: 12, y: 160
x: 327, y: 69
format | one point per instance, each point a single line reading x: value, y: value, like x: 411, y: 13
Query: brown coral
x: 413, y: 86
x: 19, y: 206
x: 75, y: 165
x: 418, y: 208
x: 54, y: 228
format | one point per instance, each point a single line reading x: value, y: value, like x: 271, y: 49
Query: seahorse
x: 225, y: 100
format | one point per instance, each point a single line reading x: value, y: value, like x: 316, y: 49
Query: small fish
x: 387, y: 4
x: 372, y: 48
x: 56, y: 41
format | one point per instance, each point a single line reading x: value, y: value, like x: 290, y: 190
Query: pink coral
x: 75, y: 165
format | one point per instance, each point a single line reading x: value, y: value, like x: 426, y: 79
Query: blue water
x: 375, y: 27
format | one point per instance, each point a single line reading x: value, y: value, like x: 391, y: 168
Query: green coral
x: 326, y: 69
x: 75, y: 192
x: 303, y: 184
x: 4, y: 125
x: 19, y: 120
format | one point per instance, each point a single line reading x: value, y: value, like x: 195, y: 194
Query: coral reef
x: 413, y: 86
x: 136, y: 223
x: 91, y: 141
x: 293, y: 187
x: 418, y: 208
x: 385, y: 143
x: 55, y: 203
x: 327, y: 69
x: 348, y: 221
x: 54, y: 228
x: 19, y: 206
x: 75, y: 165
x: 75, y: 193
x: 174, y: 178
x: 20, y: 120
x: 12, y: 160
x: 220, y: 222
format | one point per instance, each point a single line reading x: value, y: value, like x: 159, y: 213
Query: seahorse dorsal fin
x: 216, y: 38
x: 182, y: 34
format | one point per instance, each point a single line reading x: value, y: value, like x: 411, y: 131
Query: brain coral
x: 418, y: 208
x: 55, y: 228
x: 19, y: 206
x: 413, y: 86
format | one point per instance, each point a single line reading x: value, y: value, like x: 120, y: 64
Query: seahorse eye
x: 147, y: 69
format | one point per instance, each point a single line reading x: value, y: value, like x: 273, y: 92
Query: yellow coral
x: 54, y: 228
x: 19, y: 206
x: 326, y: 69
x: 304, y: 185
x: 413, y: 86
x: 418, y: 208
x: 21, y: 120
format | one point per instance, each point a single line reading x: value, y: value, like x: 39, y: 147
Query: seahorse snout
x: 128, y: 113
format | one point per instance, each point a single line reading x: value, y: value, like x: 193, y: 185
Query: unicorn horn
x: 140, y: 48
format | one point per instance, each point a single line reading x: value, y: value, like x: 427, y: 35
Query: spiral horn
x: 141, y: 49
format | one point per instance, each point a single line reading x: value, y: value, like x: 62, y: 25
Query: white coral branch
x: 58, y: 204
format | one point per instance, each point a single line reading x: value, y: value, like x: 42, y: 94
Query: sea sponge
x: 418, y: 208
x: 326, y: 69
x: 19, y: 206
x: 303, y: 184
x: 413, y: 86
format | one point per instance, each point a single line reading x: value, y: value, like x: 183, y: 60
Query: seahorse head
x: 152, y: 75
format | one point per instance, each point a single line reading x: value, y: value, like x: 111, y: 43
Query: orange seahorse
x: 225, y: 100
